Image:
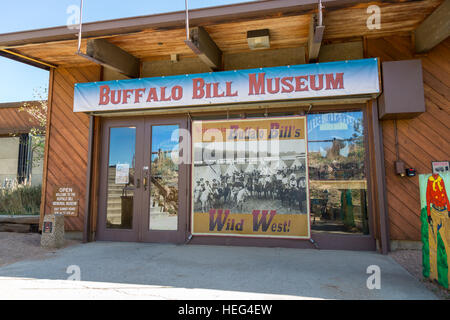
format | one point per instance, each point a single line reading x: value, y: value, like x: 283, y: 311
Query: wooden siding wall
x: 66, y: 156
x: 421, y: 140
x: 14, y: 121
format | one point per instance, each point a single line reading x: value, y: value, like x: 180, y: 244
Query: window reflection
x: 121, y: 169
x: 164, y: 178
x: 338, y: 183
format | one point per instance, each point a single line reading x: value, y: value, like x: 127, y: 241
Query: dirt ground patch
x: 411, y: 260
x: 16, y: 247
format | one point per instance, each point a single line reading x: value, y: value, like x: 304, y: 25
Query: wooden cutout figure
x: 438, y: 222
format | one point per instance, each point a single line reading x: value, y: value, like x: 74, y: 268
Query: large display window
x: 337, y: 172
x: 265, y: 176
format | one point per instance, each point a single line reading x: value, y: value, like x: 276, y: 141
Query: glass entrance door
x: 143, y: 182
x: 120, y: 178
x: 164, y: 177
x: 165, y: 181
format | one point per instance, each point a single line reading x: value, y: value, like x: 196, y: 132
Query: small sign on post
x: 48, y: 227
x: 53, y: 231
x: 65, y: 201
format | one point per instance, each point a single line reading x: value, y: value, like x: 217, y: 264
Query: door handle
x: 145, y: 173
x: 138, y: 183
x: 145, y: 183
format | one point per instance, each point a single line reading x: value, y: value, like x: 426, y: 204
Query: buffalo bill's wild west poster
x: 435, y: 216
x: 250, y: 178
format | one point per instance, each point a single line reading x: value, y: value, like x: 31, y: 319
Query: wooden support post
x: 205, y: 48
x: 315, y: 39
x: 381, y: 181
x: 434, y: 29
x: 87, y: 211
x: 46, y: 147
x: 109, y: 55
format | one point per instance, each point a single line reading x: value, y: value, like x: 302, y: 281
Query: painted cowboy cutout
x: 438, y: 218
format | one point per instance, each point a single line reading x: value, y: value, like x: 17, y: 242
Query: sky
x: 19, y: 82
x: 123, y: 143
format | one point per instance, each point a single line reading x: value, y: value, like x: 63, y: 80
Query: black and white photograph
x: 279, y: 185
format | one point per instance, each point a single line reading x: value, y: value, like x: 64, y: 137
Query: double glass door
x: 143, y: 180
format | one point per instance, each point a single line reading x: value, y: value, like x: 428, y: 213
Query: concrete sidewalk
x: 112, y: 270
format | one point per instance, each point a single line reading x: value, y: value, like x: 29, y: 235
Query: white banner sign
x: 306, y: 81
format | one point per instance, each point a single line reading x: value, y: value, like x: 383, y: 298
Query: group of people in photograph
x: 239, y: 189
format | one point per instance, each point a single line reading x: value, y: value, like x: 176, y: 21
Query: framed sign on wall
x: 65, y: 201
x: 250, y: 178
x: 440, y: 166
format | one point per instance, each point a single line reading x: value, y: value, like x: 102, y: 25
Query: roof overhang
x: 160, y: 36
x: 220, y: 14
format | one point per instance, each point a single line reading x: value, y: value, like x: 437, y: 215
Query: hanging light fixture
x: 258, y: 39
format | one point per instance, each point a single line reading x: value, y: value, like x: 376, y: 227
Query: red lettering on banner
x: 115, y: 100
x: 198, y: 91
x: 126, y: 95
x: 257, y: 86
x: 163, y: 95
x: 177, y: 93
x: 104, y: 95
x: 229, y: 93
x: 287, y: 85
x: 208, y: 90
x: 270, y: 89
x: 312, y: 82
x: 138, y: 95
x: 152, y: 95
x: 258, y: 83
x: 216, y: 93
x: 300, y: 84
x: 335, y: 83
x: 202, y: 89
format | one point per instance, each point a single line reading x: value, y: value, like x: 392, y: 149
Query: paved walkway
x: 164, y: 271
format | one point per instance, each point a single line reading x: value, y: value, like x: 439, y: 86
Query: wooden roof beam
x: 434, y: 29
x: 111, y: 56
x: 26, y: 60
x: 315, y: 39
x: 205, y: 48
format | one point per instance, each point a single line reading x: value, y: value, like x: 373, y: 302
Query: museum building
x: 268, y: 123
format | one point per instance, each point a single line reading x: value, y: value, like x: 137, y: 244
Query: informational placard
x: 250, y: 178
x: 122, y: 173
x: 48, y: 227
x: 65, y: 201
x: 305, y: 81
x: 440, y: 166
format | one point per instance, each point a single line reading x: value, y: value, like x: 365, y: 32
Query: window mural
x: 250, y: 178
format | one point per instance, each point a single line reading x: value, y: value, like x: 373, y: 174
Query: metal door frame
x: 140, y: 226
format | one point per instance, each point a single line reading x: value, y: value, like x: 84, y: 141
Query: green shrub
x: 20, y: 200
